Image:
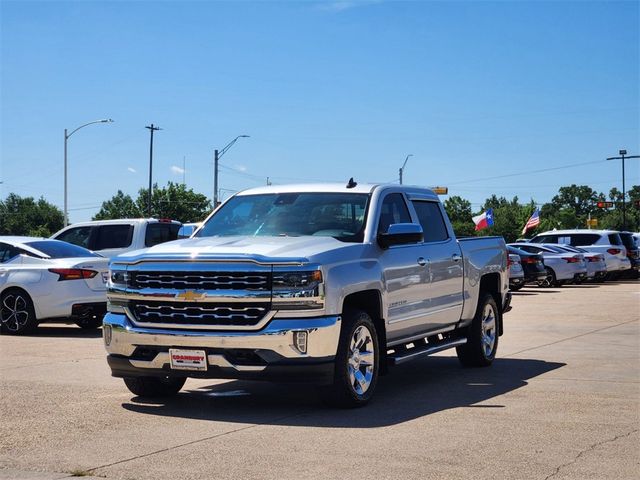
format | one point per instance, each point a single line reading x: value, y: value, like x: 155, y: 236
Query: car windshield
x: 58, y: 249
x: 337, y: 215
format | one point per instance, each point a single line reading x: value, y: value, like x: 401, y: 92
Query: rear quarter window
x: 160, y: 233
x: 614, y: 239
x: 578, y: 239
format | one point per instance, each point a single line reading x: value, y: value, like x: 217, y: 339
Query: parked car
x: 187, y: 229
x: 596, y: 265
x: 325, y: 284
x: 607, y: 242
x: 561, y: 267
x: 516, y: 273
x: 48, y: 279
x: 113, y: 237
x: 532, y: 265
x: 633, y: 253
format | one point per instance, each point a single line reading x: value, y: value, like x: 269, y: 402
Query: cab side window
x: 77, y: 236
x: 393, y: 210
x: 430, y: 217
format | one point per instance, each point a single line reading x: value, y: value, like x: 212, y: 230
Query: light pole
x: 623, y: 155
x: 404, y: 165
x: 151, y: 129
x: 216, y: 158
x: 66, y: 138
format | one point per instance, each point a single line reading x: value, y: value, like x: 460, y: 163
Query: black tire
x: 17, y: 315
x: 154, y: 386
x: 515, y: 288
x: 89, y: 323
x: 356, y: 375
x: 550, y: 279
x: 478, y: 351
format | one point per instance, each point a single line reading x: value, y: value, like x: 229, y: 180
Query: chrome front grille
x: 210, y: 314
x: 252, y: 281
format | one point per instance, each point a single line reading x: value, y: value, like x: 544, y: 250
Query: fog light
x: 300, y: 341
x: 106, y: 333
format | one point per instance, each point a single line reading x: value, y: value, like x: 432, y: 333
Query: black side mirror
x: 401, y: 234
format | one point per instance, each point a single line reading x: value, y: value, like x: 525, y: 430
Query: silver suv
x: 607, y: 242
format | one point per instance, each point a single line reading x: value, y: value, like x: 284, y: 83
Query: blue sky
x: 326, y: 90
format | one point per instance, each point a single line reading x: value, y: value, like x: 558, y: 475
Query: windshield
x: 58, y: 249
x: 337, y: 215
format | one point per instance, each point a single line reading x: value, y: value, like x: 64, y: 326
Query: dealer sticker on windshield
x: 188, y: 359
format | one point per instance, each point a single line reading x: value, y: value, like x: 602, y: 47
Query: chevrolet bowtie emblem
x: 190, y: 296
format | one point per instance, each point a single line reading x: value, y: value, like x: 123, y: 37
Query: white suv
x: 113, y: 237
x: 607, y: 242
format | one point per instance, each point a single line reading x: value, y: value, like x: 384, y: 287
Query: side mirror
x: 401, y: 234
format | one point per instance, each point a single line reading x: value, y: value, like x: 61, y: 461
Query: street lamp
x: 623, y: 155
x: 152, y: 129
x: 66, y: 137
x: 216, y: 158
x: 404, y: 165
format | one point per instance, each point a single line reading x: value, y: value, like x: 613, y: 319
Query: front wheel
x: 482, y: 337
x: 154, y: 386
x: 356, y: 363
x: 549, y: 280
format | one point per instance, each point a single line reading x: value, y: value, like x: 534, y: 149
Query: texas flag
x: 484, y: 220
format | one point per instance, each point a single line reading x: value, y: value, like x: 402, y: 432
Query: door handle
x: 422, y: 261
x: 456, y: 258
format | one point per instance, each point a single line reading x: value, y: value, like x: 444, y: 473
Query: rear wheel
x: 356, y: 363
x: 549, y: 280
x: 90, y: 323
x: 154, y: 386
x: 17, y: 315
x: 482, y: 337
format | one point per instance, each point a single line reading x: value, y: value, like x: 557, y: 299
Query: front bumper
x: 268, y: 354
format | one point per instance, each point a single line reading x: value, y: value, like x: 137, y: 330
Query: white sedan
x: 48, y: 279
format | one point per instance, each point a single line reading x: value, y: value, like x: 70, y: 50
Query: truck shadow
x: 410, y: 391
x: 63, y: 330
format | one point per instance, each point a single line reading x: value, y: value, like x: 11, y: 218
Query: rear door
x: 442, y: 251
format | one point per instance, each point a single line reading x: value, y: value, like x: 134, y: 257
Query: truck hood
x: 259, y: 249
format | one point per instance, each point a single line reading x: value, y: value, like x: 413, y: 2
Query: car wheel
x: 154, y: 386
x: 90, y: 323
x: 549, y: 280
x: 17, y: 315
x: 356, y: 363
x: 482, y: 337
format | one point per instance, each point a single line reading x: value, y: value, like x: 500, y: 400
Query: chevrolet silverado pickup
x: 329, y: 284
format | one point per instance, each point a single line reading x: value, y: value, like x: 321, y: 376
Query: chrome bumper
x: 273, y: 345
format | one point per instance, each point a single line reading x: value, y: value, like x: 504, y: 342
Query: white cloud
x: 132, y: 170
x: 241, y: 168
x: 177, y: 170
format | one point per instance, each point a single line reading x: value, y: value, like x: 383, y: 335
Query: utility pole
x: 216, y: 159
x: 152, y: 129
x: 404, y: 165
x: 623, y: 155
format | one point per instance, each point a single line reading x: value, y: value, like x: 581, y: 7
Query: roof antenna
x: 351, y: 183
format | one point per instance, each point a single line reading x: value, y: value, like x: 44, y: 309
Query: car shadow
x: 410, y: 391
x: 66, y: 330
x: 542, y: 290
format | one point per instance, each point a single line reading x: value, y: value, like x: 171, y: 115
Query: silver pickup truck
x: 329, y: 284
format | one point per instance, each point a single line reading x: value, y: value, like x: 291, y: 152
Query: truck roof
x: 329, y: 188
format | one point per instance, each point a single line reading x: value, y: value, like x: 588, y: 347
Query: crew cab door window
x: 393, y: 210
x: 77, y: 236
x: 113, y: 236
x: 430, y: 218
x: 160, y: 233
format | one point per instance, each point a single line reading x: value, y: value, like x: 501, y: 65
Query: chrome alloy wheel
x: 14, y: 312
x: 488, y: 330
x: 361, y: 360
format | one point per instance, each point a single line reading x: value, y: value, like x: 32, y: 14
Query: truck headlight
x: 118, y: 278
x: 298, y: 290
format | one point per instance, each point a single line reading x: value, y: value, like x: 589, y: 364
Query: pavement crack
x: 174, y: 447
x: 570, y: 338
x: 587, y: 450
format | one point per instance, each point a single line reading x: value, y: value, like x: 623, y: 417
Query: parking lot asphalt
x: 562, y: 401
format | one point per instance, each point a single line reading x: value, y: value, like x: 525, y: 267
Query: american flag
x: 534, y: 221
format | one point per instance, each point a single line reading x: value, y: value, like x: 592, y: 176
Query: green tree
x: 572, y: 206
x: 26, y: 216
x: 459, y: 212
x: 509, y: 216
x: 120, y: 206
